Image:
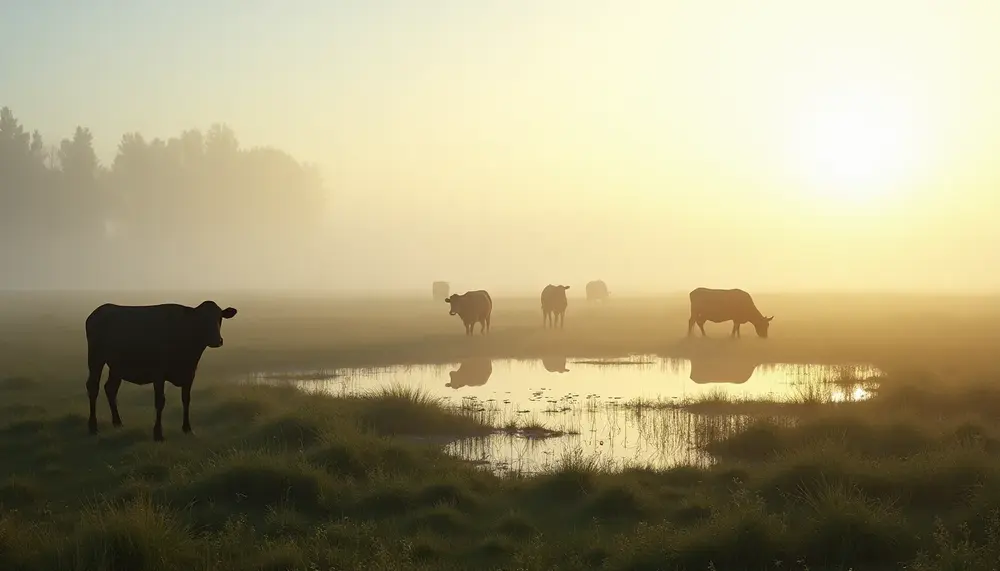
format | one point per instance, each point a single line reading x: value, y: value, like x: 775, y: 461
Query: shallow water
x: 594, y: 402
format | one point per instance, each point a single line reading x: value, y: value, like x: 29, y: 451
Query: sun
x: 853, y: 147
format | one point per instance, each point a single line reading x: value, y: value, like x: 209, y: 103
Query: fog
x: 355, y: 147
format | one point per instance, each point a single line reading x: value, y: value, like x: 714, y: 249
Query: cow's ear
x: 770, y: 318
x: 565, y: 287
x: 447, y: 299
x: 229, y: 313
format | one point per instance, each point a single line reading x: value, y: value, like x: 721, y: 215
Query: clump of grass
x: 138, y: 535
x: 257, y: 480
x: 403, y: 410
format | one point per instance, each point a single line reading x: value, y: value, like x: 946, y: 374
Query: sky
x: 507, y: 144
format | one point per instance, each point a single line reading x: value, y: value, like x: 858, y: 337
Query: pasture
x: 278, y: 478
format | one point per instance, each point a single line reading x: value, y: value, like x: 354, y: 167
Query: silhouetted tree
x: 192, y: 210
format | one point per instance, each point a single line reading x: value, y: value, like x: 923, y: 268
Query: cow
x: 439, y: 290
x: 597, y: 291
x: 472, y: 306
x: 149, y: 344
x: 718, y: 305
x: 554, y: 305
x: 472, y: 372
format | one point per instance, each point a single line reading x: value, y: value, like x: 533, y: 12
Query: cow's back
x: 596, y: 289
x: 720, y: 302
x: 554, y: 297
x: 477, y: 305
x: 138, y: 331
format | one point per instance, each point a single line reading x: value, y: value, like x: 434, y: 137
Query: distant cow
x: 471, y: 373
x: 472, y: 306
x: 597, y: 291
x: 718, y: 305
x: 149, y: 344
x: 554, y: 305
x: 439, y: 290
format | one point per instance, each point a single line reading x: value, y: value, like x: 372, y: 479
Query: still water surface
x: 593, y: 402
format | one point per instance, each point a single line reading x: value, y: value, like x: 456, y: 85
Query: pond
x: 619, y: 411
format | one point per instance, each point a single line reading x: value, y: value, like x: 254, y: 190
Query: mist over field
x: 356, y: 147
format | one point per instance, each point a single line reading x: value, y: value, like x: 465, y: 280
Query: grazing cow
x: 472, y: 306
x: 149, y: 344
x: 439, y: 290
x: 554, y: 305
x: 597, y: 291
x: 718, y: 305
x: 554, y: 364
x: 471, y: 373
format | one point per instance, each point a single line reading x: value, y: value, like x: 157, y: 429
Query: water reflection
x: 471, y: 373
x: 722, y: 369
x: 555, y: 364
x: 604, y: 406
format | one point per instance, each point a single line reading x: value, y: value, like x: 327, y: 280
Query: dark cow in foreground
x: 473, y: 307
x: 722, y: 370
x: 554, y: 364
x: 718, y: 305
x: 554, y: 305
x: 471, y: 373
x: 440, y: 290
x: 149, y: 344
x: 597, y: 291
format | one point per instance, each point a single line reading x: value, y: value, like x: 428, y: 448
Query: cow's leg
x: 95, y: 366
x: 111, y: 387
x: 186, y: 403
x: 562, y: 319
x: 701, y: 325
x: 482, y: 327
x: 691, y: 322
x: 488, y: 323
x: 160, y: 400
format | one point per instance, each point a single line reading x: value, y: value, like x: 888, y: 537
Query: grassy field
x: 275, y: 479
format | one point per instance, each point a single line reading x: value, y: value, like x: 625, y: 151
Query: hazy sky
x: 658, y: 145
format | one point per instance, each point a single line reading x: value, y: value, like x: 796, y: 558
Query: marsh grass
x: 275, y: 478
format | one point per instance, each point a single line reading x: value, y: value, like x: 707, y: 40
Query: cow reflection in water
x: 722, y: 369
x: 471, y: 373
x: 554, y: 364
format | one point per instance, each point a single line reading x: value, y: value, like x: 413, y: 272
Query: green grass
x: 277, y: 479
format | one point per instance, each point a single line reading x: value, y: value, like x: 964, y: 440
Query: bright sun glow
x: 854, y: 147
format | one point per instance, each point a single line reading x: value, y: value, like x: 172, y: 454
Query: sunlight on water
x: 613, y: 411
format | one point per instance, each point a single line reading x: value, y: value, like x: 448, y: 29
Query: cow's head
x: 455, y: 301
x: 209, y: 319
x: 762, y: 326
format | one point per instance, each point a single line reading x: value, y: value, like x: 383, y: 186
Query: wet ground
x: 619, y: 411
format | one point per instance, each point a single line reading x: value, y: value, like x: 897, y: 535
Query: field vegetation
x: 276, y: 479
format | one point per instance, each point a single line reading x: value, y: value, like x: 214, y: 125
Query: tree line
x: 195, y: 210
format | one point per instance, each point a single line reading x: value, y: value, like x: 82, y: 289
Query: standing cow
x: 554, y: 305
x: 472, y: 306
x: 439, y: 290
x: 597, y: 291
x: 718, y: 305
x: 150, y: 344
